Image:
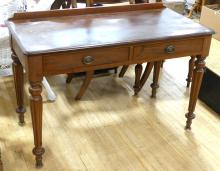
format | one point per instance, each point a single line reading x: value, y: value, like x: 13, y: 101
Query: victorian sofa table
x: 65, y: 41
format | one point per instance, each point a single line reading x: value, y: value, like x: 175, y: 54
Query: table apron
x: 105, y: 57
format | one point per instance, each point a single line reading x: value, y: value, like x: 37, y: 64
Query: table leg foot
x: 190, y: 117
x: 154, y: 90
x: 38, y: 152
x: 21, y: 111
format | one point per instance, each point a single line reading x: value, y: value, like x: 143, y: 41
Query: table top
x: 62, y: 30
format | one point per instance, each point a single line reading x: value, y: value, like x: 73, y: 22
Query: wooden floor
x: 110, y: 129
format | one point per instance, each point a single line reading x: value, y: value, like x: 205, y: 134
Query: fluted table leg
x: 196, y: 83
x: 35, y: 90
x: 19, y: 87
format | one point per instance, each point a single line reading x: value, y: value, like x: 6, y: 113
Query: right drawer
x: 169, y: 49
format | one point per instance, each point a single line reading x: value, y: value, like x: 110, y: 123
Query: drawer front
x: 168, y: 49
x: 81, y: 59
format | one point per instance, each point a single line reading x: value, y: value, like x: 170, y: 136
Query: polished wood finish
x: 127, y: 134
x: 56, y: 64
x: 140, y: 79
x: 191, y: 68
x: 19, y: 87
x: 55, y: 55
x: 125, y: 67
x: 155, y: 50
x: 197, y: 80
x: 35, y: 90
x: 67, y: 4
x: 35, y: 77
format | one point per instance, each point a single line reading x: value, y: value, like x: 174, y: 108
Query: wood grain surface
x: 113, y: 27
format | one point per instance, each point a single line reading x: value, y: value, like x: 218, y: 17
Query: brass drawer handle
x: 170, y: 49
x: 87, y: 60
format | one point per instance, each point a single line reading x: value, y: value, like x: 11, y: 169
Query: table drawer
x: 169, y: 49
x: 85, y: 58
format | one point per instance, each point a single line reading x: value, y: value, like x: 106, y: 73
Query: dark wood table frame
x: 150, y: 33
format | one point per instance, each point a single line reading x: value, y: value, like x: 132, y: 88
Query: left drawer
x: 65, y: 61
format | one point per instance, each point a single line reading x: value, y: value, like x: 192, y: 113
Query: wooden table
x: 65, y: 41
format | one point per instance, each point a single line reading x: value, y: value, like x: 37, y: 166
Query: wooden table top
x: 52, y: 31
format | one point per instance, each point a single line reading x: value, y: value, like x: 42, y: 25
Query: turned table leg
x: 35, y: 90
x: 154, y: 85
x: 196, y: 83
x: 138, y: 72
x: 140, y: 80
x: 19, y: 87
x: 190, y: 73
